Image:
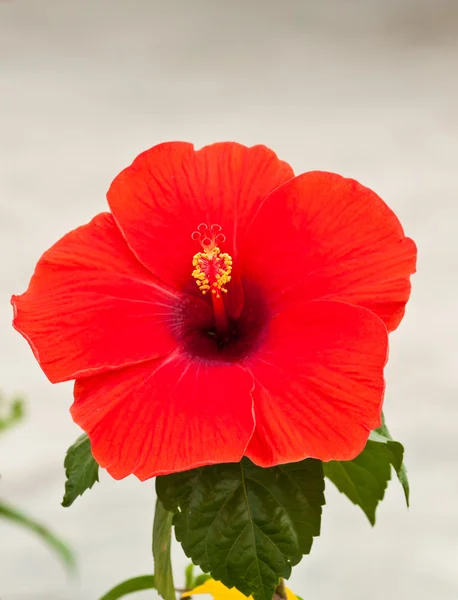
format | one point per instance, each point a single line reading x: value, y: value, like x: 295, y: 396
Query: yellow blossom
x: 220, y: 592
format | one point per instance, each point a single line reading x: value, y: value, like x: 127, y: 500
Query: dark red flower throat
x: 232, y: 328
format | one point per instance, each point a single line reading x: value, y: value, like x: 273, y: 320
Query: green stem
x: 280, y: 592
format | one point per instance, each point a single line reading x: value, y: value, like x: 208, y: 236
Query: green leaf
x: 365, y: 478
x: 398, y: 455
x: 81, y: 470
x: 136, y: 584
x: 162, y: 539
x: 53, y: 542
x: 245, y: 525
x: 14, y: 415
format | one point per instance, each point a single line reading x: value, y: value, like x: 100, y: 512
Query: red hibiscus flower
x: 223, y: 308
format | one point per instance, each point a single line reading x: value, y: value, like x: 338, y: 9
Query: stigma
x: 212, y: 268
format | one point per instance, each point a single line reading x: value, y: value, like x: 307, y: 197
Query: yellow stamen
x: 212, y: 270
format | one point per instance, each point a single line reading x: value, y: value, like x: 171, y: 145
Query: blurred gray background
x: 367, y: 88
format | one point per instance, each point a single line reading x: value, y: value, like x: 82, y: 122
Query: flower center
x: 212, y: 270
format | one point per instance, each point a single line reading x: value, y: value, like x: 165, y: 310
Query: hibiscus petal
x: 318, y: 383
x: 166, y: 416
x: 170, y: 189
x: 321, y: 236
x: 91, y: 306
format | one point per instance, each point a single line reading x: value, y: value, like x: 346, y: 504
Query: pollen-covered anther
x: 212, y: 268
